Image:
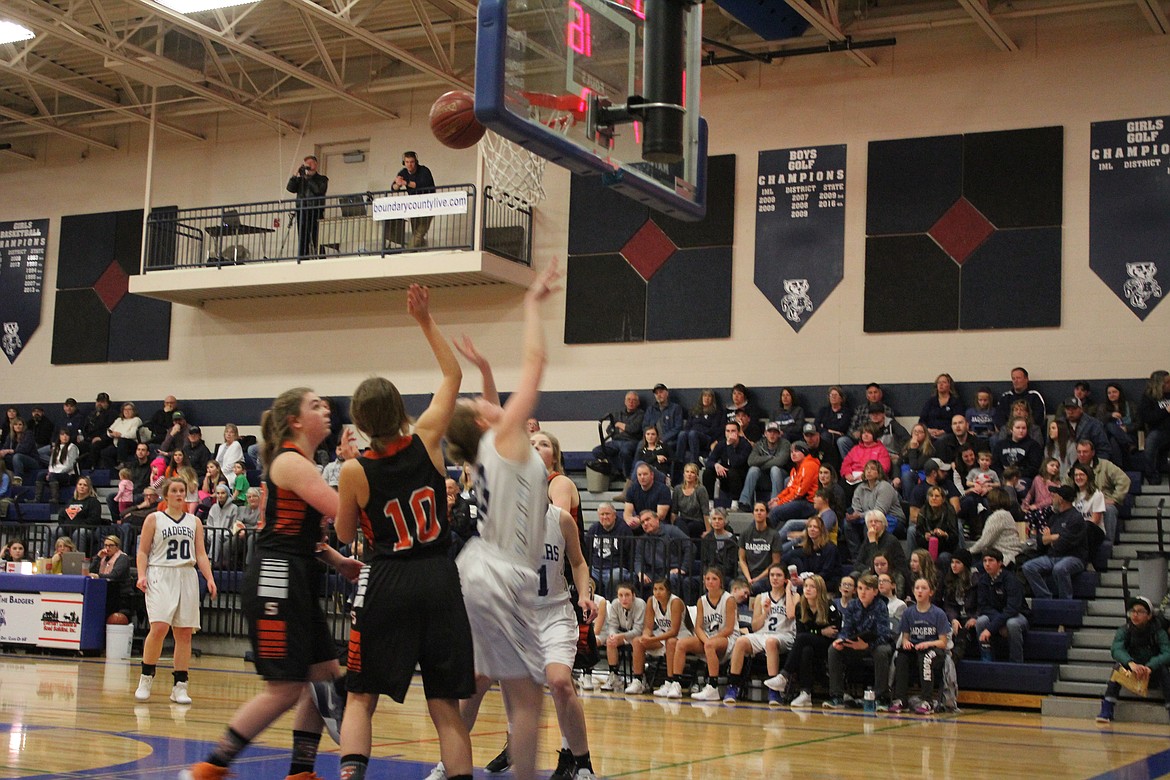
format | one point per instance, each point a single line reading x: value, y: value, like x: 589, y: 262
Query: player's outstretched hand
x: 418, y: 302
x: 349, y: 449
x: 545, y: 284
x: 465, y: 347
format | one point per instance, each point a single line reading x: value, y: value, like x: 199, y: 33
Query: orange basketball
x: 117, y: 619
x: 453, y: 120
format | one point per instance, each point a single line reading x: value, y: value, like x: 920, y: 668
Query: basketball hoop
x: 516, y: 174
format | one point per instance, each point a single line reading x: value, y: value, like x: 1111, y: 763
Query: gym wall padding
x: 637, y: 275
x: 964, y: 232
x: 96, y: 318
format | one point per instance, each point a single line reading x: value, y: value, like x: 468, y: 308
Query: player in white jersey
x: 667, y: 621
x: 773, y: 632
x: 559, y: 635
x: 170, y: 547
x: 498, y: 569
x: 714, y: 623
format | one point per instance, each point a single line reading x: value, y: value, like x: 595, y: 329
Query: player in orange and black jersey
x: 409, y: 606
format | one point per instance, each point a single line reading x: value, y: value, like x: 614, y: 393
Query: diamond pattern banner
x: 1129, y: 204
x: 964, y: 231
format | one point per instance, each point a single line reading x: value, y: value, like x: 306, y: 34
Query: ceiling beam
x: 18, y: 155
x: 263, y: 57
x: 981, y: 13
x: 62, y: 26
x: 322, y: 52
x: 49, y: 126
x: 82, y: 94
x: 377, y: 43
x: 436, y: 45
x: 1152, y: 10
x: 831, y: 31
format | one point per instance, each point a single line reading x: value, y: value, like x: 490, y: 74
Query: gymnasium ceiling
x: 93, y: 65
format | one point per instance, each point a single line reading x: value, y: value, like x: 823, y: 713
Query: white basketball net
x: 515, y: 174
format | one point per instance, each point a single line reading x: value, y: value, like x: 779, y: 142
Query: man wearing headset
x: 414, y: 179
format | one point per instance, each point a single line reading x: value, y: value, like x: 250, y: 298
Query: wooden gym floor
x: 69, y: 718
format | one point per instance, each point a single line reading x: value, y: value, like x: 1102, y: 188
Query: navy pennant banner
x: 22, y: 277
x: 800, y: 228
x: 1129, y: 198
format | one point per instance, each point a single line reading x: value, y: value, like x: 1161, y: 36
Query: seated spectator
x: 239, y: 483
x: 212, y: 476
x: 719, y: 548
x: 915, y: 452
x: 875, y: 493
x: 1065, y: 547
x: 932, y: 475
x: 197, y: 453
x: 889, y: 432
x: 865, y: 632
x: 794, y: 501
x: 1120, y: 421
x: 833, y: 418
x: 922, y: 565
x: 740, y: 400
x: 1017, y: 449
x: 332, y: 471
x: 879, y: 541
x: 136, y: 514
x: 191, y: 480
x: 1020, y: 392
x: 1109, y: 478
x: 176, y: 435
x: 1083, y: 426
x: 140, y: 475
x: 1037, y: 502
x: 1002, y: 609
x: 1090, y: 502
x: 667, y: 416
x: 123, y: 434
x: 892, y: 593
x: 63, y: 545
x: 965, y: 460
x: 816, y: 553
x: 771, y: 455
x: 125, y: 494
x: 759, y: 550
x: 867, y: 449
x: 790, y: 532
x: 19, y: 451
x: 1141, y: 648
x: 751, y: 429
x: 221, y: 518
x: 665, y: 551
x: 818, y: 621
x: 922, y: 646
x: 1060, y: 445
x: 231, y: 451
x: 247, y: 521
x: 624, y: 618
x: 947, y: 447
x: 163, y: 420
x: 846, y: 591
x: 113, y: 566
x: 95, y: 431
x: 714, y: 624
x: 646, y: 492
x: 790, y: 415
x: 610, y: 549
x: 727, y: 466
x: 1154, y: 413
x: 773, y: 632
x: 42, y: 430
x: 938, y: 410
x: 703, y: 427
x: 827, y: 480
x: 689, y: 503
x: 624, y: 432
x: 938, y: 527
x: 981, y: 416
x: 824, y: 451
x: 62, y: 469
x: 14, y: 551
x: 654, y: 453
x: 666, y: 622
x: 958, y: 597
x: 873, y: 395
x: 1000, y: 530
x: 80, y: 515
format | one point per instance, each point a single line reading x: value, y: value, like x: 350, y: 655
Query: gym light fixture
x: 196, y: 6
x: 11, y: 32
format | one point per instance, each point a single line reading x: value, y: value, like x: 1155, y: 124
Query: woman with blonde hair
x: 818, y: 619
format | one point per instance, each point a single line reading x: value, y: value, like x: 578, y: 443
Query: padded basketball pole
x: 662, y: 82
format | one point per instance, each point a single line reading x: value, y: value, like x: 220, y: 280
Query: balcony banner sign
x: 428, y: 204
x: 22, y: 276
x: 1129, y: 198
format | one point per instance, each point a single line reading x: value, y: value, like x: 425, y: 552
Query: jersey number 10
x: 422, y: 511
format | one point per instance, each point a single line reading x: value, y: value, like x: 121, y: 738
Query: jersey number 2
x: 422, y: 510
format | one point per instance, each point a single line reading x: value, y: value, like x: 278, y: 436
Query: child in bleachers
x: 922, y: 645
x: 125, y: 494
x: 981, y: 416
x: 239, y: 484
x: 982, y: 478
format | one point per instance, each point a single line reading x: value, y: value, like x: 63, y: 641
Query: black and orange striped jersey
x: 406, y: 514
x: 288, y: 524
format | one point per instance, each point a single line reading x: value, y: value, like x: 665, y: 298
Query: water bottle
x: 985, y: 652
x: 870, y: 701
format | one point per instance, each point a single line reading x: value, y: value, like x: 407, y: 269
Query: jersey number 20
x: 422, y: 511
x: 178, y: 549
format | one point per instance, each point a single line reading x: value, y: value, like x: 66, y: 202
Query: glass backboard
x: 540, y: 62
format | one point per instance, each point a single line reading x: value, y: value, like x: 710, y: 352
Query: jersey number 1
x: 422, y: 510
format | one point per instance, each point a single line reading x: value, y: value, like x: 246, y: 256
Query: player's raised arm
x: 432, y: 423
